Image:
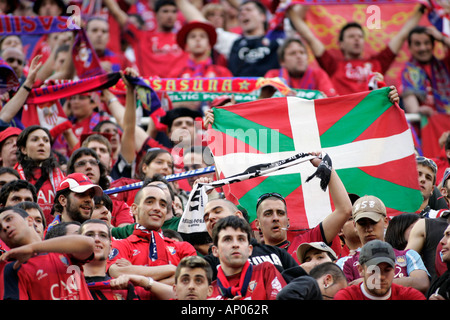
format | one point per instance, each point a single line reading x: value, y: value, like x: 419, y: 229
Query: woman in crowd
x: 37, y: 164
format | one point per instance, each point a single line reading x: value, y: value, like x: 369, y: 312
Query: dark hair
x: 260, y: 7
x: 98, y: 221
x: 18, y: 210
x: 99, y: 125
x: 10, y: 171
x: 258, y: 4
x: 98, y: 138
x: 193, y: 262
x: 234, y: 222
x: 57, y: 207
x: 104, y: 180
x: 160, y: 178
x: 328, y: 268
x: 62, y: 48
x: 16, y: 185
x: 59, y: 230
x: 107, y: 202
x: 161, y: 3
x: 348, y: 26
x: 149, y: 157
x: 419, y: 30
x: 29, y: 164
x: 282, y: 49
x: 27, y: 205
x: 396, y: 230
x: 94, y: 18
x: 172, y: 234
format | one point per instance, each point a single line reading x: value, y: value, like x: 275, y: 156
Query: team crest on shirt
x: 64, y: 260
x: 114, y: 252
x: 171, y: 250
x: 252, y: 285
x: 401, y: 261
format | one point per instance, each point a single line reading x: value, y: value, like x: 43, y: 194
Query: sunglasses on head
x: 269, y: 195
x: 427, y: 162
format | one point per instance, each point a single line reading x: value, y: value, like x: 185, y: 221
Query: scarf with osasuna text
x: 157, y: 252
x: 240, y: 289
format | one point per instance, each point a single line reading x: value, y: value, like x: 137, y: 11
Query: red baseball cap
x: 9, y: 132
x: 208, y: 27
x: 79, y: 183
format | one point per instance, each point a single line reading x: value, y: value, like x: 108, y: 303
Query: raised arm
x: 190, y: 12
x: 128, y: 148
x: 13, y: 106
x: 80, y: 247
x: 118, y: 14
x: 296, y: 14
x: 334, y: 222
x: 396, y: 43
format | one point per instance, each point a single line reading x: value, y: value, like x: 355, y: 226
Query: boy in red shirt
x: 237, y: 278
x: 53, y: 267
x: 377, y: 266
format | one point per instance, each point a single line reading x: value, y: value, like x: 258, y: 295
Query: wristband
x: 150, y: 283
x: 111, y: 100
x: 26, y: 88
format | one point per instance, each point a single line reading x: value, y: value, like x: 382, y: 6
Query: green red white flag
x: 366, y: 136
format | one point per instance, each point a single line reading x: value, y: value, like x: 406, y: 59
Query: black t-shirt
x: 253, y: 56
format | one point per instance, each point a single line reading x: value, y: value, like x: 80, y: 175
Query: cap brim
x: 375, y: 216
x: 378, y: 260
x: 80, y: 189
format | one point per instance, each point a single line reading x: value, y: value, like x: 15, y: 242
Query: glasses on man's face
x: 427, y: 162
x: 269, y: 195
x: 83, y: 163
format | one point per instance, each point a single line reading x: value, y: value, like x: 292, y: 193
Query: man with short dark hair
x: 17, y: 191
x: 237, y: 278
x: 218, y: 209
x: 193, y: 279
x: 97, y: 31
x: 253, y: 54
x: 273, y: 221
x: 33, y: 257
x: 426, y: 79
x: 293, y: 58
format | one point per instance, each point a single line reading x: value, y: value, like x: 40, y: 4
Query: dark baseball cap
x: 375, y: 252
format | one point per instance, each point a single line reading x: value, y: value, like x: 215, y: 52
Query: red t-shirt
x: 266, y: 282
x: 136, y: 250
x: 351, y: 76
x: 312, y: 79
x: 207, y: 71
x: 121, y: 213
x: 314, y: 235
x: 399, y: 292
x: 49, y: 276
x: 157, y: 53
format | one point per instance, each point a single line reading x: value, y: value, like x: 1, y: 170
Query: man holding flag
x: 271, y: 205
